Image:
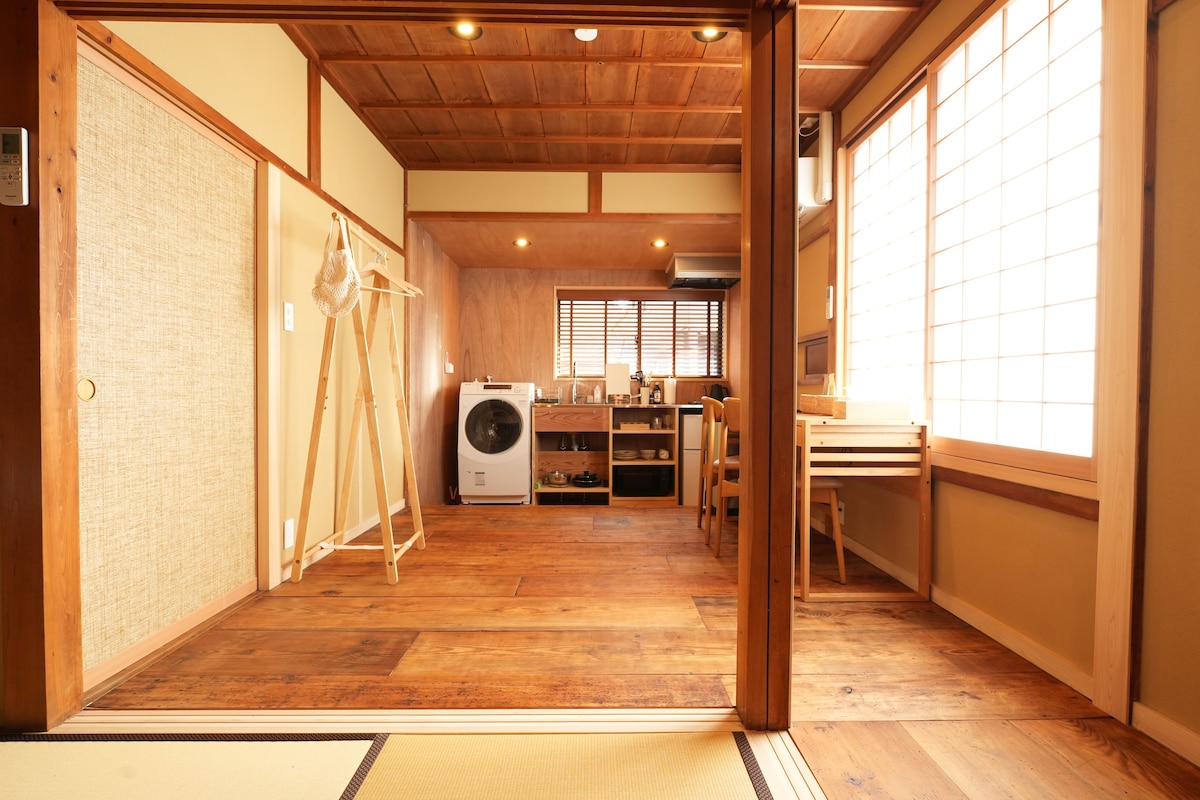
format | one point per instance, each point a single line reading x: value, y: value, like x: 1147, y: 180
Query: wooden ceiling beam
x: 472, y: 58
x: 862, y: 5
x: 809, y: 63
x: 567, y: 139
x: 624, y: 108
x: 665, y: 13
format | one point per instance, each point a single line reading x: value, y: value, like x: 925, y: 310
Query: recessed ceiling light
x: 522, y: 242
x: 659, y: 243
x: 586, y: 34
x: 466, y: 31
x: 709, y: 35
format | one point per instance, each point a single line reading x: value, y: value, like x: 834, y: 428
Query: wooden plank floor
x: 598, y: 607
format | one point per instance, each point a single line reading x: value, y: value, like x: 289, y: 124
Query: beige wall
x: 672, y: 193
x: 535, y: 192
x: 358, y: 171
x: 1170, y: 644
x: 1030, y: 569
x: 810, y: 286
x: 210, y: 59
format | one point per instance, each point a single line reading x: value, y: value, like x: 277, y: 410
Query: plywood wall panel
x: 433, y: 332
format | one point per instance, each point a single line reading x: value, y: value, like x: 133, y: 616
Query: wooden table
x: 852, y: 448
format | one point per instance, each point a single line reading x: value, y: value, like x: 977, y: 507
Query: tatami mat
x: 188, y: 769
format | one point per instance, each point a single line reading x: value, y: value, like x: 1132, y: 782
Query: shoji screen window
x: 1015, y: 220
x: 885, y: 332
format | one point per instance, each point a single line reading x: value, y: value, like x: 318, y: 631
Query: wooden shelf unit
x: 644, y: 481
x: 568, y: 426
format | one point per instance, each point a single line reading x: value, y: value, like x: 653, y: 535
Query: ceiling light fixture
x: 709, y: 35
x: 522, y: 242
x: 586, y: 34
x: 466, y: 31
x: 659, y: 243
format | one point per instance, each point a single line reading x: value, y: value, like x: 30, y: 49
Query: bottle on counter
x: 656, y: 398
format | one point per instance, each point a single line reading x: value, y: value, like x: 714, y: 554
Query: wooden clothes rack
x: 382, y: 285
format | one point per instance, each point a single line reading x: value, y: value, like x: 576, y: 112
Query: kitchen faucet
x: 574, y: 384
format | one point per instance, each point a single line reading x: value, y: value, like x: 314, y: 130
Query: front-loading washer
x: 495, y: 442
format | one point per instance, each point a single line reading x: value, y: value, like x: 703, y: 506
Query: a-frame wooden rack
x: 381, y: 285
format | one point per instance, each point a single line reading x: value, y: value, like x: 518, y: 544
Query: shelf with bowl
x: 643, y: 446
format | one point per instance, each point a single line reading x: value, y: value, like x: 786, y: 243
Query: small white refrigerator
x: 689, y: 458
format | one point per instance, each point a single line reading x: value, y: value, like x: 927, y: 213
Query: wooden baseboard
x: 102, y: 672
x: 285, y: 573
x: 1167, y: 732
x: 1037, y: 654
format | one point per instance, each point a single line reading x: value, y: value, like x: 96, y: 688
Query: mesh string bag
x: 336, y: 285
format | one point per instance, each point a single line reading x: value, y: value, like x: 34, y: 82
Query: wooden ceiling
x: 525, y: 96
x: 528, y: 95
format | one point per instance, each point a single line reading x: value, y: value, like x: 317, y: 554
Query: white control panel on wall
x: 14, y: 166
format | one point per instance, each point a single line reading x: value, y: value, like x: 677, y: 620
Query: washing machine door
x: 493, y: 426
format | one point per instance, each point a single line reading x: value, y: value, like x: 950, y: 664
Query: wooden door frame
x: 41, y: 665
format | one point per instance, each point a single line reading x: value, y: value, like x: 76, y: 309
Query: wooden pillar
x: 766, y: 506
x: 41, y: 671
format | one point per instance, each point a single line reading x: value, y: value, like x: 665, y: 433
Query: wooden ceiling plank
x: 664, y: 84
x: 561, y: 85
x: 481, y: 122
x: 654, y: 125
x: 514, y: 124
x: 611, y: 83
x: 858, y: 37
x: 381, y: 39
x: 609, y: 125
x: 357, y: 83
x: 716, y: 88
x: 509, y: 84
x: 564, y: 124
x: 459, y: 84
x: 409, y: 84
x: 820, y: 89
x: 815, y: 28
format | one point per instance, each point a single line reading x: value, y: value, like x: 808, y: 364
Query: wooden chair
x: 824, y: 492
x: 710, y: 420
x: 726, y: 484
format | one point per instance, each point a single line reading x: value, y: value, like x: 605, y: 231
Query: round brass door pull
x: 86, y: 389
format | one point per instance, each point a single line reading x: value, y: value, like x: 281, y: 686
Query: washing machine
x: 495, y: 435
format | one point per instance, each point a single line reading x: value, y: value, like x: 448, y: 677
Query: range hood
x: 696, y: 271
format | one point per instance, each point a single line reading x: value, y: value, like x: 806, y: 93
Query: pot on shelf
x: 586, y: 478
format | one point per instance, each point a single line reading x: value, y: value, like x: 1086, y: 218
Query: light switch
x: 289, y: 317
x: 289, y: 533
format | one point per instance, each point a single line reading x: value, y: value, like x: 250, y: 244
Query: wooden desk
x: 850, y: 448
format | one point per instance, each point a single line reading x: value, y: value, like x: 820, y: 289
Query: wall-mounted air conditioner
x: 814, y: 176
x: 704, y: 271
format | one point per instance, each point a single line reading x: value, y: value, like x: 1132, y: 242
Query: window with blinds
x: 679, y: 333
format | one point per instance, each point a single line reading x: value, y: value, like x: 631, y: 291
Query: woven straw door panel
x: 166, y: 332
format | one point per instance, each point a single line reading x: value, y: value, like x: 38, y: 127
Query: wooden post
x: 766, y: 547
x: 41, y: 676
